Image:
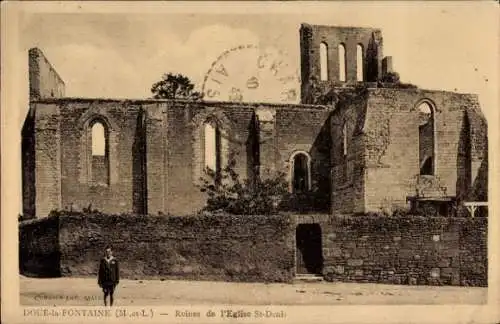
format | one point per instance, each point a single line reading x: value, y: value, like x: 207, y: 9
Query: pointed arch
x: 211, y: 143
x: 98, y: 151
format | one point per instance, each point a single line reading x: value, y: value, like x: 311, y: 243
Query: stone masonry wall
x: 61, y: 154
x: 348, y: 171
x: 305, y: 130
x: 392, y: 148
x: 153, y: 184
x: 154, y: 151
x: 294, y: 128
x: 28, y: 165
x: 311, y: 36
x: 185, y: 150
x: 120, y: 118
x: 393, y: 250
x: 47, y: 158
x: 39, y: 253
x: 407, y: 250
x: 220, y: 247
x: 43, y: 78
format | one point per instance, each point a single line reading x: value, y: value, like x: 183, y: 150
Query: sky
x: 449, y: 47
x: 119, y: 52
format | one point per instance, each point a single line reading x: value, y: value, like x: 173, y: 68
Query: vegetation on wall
x: 321, y: 95
x: 228, y: 193
x: 392, y: 80
x: 318, y: 95
x: 74, y: 210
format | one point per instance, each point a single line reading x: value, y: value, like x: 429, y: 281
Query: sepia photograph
x: 227, y: 162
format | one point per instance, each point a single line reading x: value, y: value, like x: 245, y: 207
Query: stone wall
x: 222, y: 247
x: 380, y: 170
x: 154, y: 151
x: 392, y: 149
x: 185, y: 150
x: 414, y: 250
x: 307, y: 131
x: 348, y: 170
x: 311, y: 36
x: 47, y: 158
x: 78, y: 186
x: 39, y: 253
x: 44, y: 81
x: 28, y: 165
x: 406, y: 250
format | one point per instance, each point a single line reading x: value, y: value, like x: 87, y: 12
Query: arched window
x: 212, y: 147
x: 210, y: 143
x: 359, y: 62
x: 300, y: 172
x: 342, y: 63
x: 99, y: 153
x: 323, y: 61
x: 344, y: 139
x: 427, y: 142
x: 98, y: 139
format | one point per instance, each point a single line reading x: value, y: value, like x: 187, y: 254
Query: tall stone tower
x: 337, y: 56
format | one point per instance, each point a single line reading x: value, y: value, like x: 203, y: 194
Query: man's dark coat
x: 109, y: 274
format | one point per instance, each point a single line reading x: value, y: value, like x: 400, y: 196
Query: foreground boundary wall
x: 218, y: 247
x: 414, y: 250
x: 39, y: 250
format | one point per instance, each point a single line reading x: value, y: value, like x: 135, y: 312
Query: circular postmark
x: 251, y: 73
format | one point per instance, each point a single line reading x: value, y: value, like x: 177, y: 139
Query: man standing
x: 109, y: 275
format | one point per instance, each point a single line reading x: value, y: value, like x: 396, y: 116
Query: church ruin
x: 368, y: 148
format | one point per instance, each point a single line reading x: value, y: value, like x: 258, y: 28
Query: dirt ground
x: 84, y: 291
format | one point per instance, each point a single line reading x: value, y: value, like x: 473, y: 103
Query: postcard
x: 250, y: 162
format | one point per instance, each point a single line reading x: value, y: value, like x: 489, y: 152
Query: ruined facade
x: 371, y: 149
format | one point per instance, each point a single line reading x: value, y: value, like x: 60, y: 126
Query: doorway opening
x: 309, y: 249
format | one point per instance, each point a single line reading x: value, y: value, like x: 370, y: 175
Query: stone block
x: 443, y: 263
x: 361, y: 253
x: 364, y: 238
x: 337, y: 252
x: 435, y: 273
x: 339, y: 269
x: 331, y: 237
x: 448, y: 272
x: 354, y: 262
